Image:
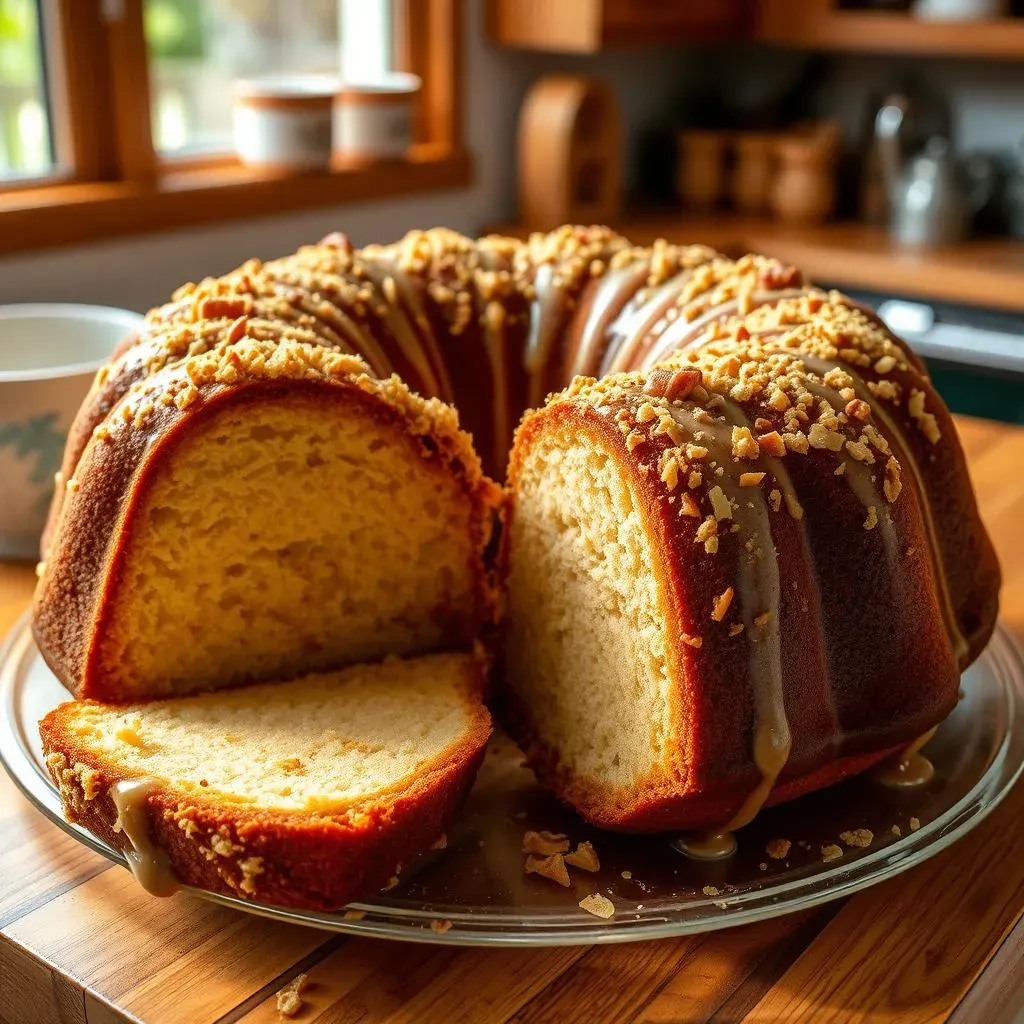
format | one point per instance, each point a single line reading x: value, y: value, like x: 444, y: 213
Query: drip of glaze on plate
x: 706, y: 845
x: 909, y: 769
x: 148, y: 863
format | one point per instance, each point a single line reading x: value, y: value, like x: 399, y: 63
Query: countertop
x: 81, y: 943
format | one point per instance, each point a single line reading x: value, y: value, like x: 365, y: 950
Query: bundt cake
x: 744, y: 557
x: 309, y: 793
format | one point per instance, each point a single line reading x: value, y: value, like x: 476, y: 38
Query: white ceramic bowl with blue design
x: 49, y: 354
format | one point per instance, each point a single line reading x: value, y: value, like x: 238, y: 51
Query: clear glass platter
x: 474, y: 892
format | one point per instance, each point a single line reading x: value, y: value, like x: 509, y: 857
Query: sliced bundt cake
x: 310, y: 793
x: 264, y: 509
x: 745, y: 555
x: 741, y: 574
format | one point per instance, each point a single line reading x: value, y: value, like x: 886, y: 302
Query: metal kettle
x: 931, y: 199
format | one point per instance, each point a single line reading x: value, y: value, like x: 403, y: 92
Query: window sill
x: 65, y: 214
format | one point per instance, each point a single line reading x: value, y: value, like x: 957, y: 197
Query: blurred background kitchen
x: 877, y: 144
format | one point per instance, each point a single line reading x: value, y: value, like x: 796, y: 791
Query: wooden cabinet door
x: 670, y: 20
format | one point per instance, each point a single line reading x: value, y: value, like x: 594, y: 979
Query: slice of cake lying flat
x: 310, y: 793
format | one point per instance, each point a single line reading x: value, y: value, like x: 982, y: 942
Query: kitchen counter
x: 81, y: 943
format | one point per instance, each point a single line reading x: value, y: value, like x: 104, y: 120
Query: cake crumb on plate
x: 552, y: 867
x: 598, y: 905
x: 861, y: 837
x: 545, y: 843
x: 585, y: 857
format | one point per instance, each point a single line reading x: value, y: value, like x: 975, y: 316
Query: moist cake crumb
x: 710, y: 890
x: 778, y: 848
x: 543, y: 844
x: 551, y: 866
x: 915, y: 824
x: 440, y: 926
x: 862, y: 837
x: 585, y: 857
x: 831, y: 852
x: 289, y: 999
x: 599, y: 906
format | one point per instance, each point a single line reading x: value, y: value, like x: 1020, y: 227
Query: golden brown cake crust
x: 288, y: 859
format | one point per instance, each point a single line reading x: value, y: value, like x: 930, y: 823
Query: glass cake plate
x: 474, y: 891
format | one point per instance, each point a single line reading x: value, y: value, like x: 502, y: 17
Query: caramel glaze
x: 496, y: 324
x: 759, y: 592
x: 718, y: 845
x: 148, y: 862
x: 909, y: 769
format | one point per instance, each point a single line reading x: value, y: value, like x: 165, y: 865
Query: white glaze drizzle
x: 642, y: 322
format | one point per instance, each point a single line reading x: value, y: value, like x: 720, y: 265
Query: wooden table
x: 81, y: 942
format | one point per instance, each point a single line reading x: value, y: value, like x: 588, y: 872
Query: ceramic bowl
x: 49, y: 355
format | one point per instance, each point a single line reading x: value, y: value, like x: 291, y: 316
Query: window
x: 116, y: 115
x: 25, y: 147
x: 198, y: 47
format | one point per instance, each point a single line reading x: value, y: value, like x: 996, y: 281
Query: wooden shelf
x: 981, y: 273
x: 878, y: 32
x: 589, y: 26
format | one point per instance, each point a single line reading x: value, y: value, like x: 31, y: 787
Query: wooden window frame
x: 116, y: 183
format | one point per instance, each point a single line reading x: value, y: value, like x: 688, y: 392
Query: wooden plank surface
x: 80, y: 943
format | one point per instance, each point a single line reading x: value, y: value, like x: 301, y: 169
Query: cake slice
x: 309, y: 793
x: 703, y: 621
x: 266, y: 510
